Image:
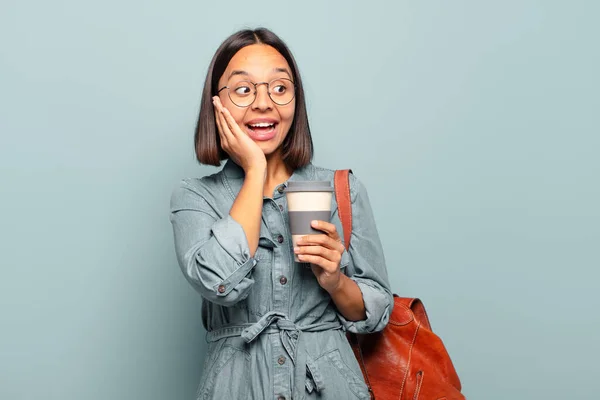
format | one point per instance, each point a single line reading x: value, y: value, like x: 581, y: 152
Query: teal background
x: 473, y: 124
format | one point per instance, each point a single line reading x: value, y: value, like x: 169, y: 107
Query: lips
x: 262, y: 128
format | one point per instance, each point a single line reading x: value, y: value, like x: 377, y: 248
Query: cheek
x: 287, y: 114
x: 238, y: 115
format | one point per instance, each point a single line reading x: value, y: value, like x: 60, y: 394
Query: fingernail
x: 314, y: 223
x: 296, y: 249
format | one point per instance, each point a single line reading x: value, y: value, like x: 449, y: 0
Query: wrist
x: 256, y: 172
x: 340, y: 287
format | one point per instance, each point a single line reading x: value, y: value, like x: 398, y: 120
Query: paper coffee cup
x: 307, y: 201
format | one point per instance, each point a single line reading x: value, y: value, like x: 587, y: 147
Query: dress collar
x: 234, y: 177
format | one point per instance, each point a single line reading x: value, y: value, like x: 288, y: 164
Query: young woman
x: 275, y: 327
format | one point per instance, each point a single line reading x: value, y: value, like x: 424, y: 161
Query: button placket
x: 280, y: 268
x: 281, y: 298
x: 281, y: 380
x: 277, y: 206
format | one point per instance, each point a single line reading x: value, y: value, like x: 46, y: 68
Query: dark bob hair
x: 297, y: 146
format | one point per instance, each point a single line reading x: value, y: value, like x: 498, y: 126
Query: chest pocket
x: 264, y: 252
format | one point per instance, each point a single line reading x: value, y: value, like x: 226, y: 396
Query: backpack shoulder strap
x: 341, y: 183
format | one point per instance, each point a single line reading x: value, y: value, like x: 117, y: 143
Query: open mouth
x: 262, y: 127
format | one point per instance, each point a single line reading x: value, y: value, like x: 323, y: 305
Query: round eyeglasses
x: 243, y: 93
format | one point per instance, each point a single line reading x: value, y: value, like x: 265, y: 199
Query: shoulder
x: 195, y: 189
x: 199, y: 184
x: 326, y: 174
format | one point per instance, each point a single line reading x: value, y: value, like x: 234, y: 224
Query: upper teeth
x: 262, y: 125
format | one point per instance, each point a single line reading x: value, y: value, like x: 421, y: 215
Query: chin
x: 268, y: 150
x: 269, y: 147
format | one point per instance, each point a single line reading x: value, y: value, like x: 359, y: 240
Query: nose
x: 262, y: 101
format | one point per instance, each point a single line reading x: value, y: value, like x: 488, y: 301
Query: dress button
x: 221, y: 289
x: 281, y: 360
x: 281, y: 189
x: 280, y: 238
x: 283, y: 280
x: 281, y: 207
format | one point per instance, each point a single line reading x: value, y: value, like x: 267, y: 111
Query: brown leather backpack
x: 405, y: 361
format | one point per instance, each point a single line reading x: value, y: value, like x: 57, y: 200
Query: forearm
x: 349, y: 300
x: 247, y: 207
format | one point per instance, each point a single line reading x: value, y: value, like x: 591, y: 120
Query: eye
x: 242, y: 90
x: 279, y: 89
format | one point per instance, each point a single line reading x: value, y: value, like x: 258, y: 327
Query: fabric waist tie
x: 307, y: 374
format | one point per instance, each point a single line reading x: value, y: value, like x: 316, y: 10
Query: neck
x: 277, y: 171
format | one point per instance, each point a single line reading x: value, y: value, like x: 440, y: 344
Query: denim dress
x: 272, y: 331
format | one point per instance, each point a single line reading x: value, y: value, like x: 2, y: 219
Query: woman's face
x: 266, y: 122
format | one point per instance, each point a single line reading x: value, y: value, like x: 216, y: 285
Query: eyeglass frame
x: 256, y: 91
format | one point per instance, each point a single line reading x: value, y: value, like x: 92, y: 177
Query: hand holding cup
x: 324, y: 253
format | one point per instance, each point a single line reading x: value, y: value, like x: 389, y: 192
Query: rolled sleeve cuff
x: 231, y: 237
x: 377, y: 307
x: 233, y: 280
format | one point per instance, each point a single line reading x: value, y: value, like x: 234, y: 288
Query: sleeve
x: 212, y: 250
x: 368, y: 267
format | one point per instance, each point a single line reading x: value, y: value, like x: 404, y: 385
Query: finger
x: 218, y: 122
x: 217, y: 107
x: 322, y: 240
x: 222, y: 123
x: 217, y: 103
x: 326, y: 227
x: 324, y: 252
x: 225, y: 140
x: 319, y: 261
x: 330, y: 229
x: 231, y: 123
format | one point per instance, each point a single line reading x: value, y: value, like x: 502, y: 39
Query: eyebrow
x: 244, y: 73
x: 284, y: 70
x: 237, y: 72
